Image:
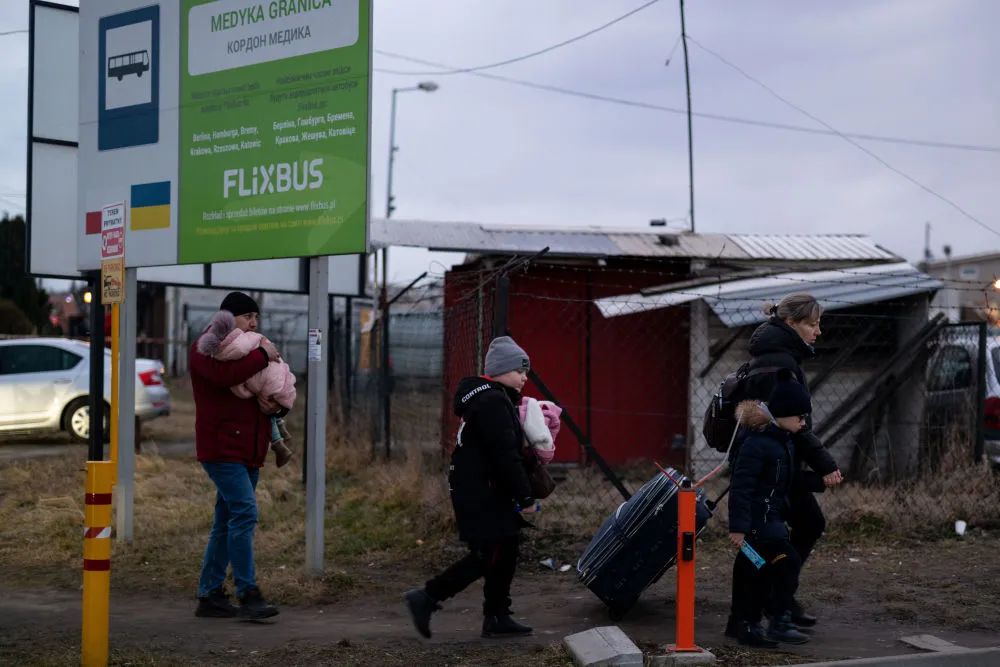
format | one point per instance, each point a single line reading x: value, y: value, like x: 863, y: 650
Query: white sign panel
x: 229, y: 33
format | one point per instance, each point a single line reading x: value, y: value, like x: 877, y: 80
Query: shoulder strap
x: 765, y: 369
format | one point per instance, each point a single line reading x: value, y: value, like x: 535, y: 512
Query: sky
x: 488, y: 151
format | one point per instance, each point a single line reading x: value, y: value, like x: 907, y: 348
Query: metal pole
x: 501, y: 302
x: 386, y: 391
x: 348, y: 357
x: 125, y: 485
x: 687, y: 81
x: 389, y: 206
x: 981, y: 391
x: 115, y: 377
x: 95, y: 450
x: 319, y: 271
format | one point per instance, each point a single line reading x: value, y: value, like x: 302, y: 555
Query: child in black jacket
x: 758, y: 508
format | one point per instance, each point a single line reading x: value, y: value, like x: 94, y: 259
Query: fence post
x: 348, y: 359
x: 500, y: 306
x: 981, y: 393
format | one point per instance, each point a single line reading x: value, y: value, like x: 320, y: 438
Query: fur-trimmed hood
x: 222, y: 325
x: 753, y: 415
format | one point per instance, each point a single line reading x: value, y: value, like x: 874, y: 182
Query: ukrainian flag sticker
x: 151, y: 206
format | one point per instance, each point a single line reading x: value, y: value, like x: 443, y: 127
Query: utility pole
x: 687, y: 81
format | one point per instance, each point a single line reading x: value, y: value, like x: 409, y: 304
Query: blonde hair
x: 795, y: 308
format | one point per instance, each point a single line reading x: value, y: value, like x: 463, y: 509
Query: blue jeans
x: 231, y: 539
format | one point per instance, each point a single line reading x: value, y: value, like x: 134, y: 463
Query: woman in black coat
x: 489, y: 489
x: 785, y: 341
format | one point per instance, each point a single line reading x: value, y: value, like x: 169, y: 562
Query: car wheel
x: 76, y: 421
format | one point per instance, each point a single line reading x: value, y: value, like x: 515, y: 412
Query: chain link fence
x: 902, y: 400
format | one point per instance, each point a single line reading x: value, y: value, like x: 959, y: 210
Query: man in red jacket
x: 232, y: 436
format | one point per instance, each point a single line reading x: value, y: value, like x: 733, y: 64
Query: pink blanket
x: 274, y: 387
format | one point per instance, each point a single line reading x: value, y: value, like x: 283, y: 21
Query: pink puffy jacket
x: 273, y: 387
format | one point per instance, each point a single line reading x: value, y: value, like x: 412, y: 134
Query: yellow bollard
x: 97, y: 563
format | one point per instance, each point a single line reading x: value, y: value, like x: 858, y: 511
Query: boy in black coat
x: 758, y: 509
x: 489, y: 490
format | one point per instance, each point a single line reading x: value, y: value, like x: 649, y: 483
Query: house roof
x: 738, y: 302
x: 620, y: 242
x: 958, y: 260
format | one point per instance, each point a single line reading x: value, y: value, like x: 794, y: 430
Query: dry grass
x: 925, y: 507
x: 375, y: 514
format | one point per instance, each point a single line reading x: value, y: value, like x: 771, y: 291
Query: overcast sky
x: 487, y: 151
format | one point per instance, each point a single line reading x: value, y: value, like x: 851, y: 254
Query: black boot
x: 781, y: 629
x: 800, y: 617
x: 751, y: 634
x: 254, y: 607
x: 733, y: 626
x: 502, y: 625
x: 215, y: 605
x: 421, y: 606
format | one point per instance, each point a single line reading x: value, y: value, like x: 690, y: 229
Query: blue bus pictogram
x: 122, y: 65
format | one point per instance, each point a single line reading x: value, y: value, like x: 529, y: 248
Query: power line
x: 847, y: 138
x: 477, y: 68
x: 11, y: 32
x: 700, y: 114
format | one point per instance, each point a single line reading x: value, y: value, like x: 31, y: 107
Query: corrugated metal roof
x: 811, y: 247
x: 615, y: 242
x: 738, y: 302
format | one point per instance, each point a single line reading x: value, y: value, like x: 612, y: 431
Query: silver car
x: 45, y: 382
x: 951, y: 389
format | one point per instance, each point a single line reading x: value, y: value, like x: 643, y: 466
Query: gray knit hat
x: 504, y: 356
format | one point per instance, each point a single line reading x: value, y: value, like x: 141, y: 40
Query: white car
x: 45, y: 383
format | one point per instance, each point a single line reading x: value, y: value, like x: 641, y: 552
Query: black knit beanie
x: 239, y: 303
x: 789, y: 398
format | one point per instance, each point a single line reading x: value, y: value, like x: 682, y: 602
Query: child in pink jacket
x: 273, y: 387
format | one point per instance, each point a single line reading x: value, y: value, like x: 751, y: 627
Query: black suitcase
x: 637, y: 543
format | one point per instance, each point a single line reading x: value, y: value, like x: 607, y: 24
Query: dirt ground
x: 867, y: 598
x: 868, y: 590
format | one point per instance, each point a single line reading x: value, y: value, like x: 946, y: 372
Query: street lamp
x: 427, y: 87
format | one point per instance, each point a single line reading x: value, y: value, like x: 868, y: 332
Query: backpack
x: 719, y: 423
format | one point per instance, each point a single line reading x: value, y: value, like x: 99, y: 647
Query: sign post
x: 101, y: 475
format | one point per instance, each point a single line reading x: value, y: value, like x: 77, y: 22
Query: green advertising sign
x: 274, y: 113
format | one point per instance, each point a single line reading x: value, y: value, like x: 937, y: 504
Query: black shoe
x: 502, y: 625
x: 751, y: 634
x: 253, y: 606
x: 215, y: 605
x: 733, y: 627
x: 799, y: 616
x: 421, y: 606
x: 781, y: 629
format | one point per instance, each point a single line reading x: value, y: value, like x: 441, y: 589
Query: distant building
x: 971, y: 287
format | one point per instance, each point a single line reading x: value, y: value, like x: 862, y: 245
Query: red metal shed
x: 623, y: 380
